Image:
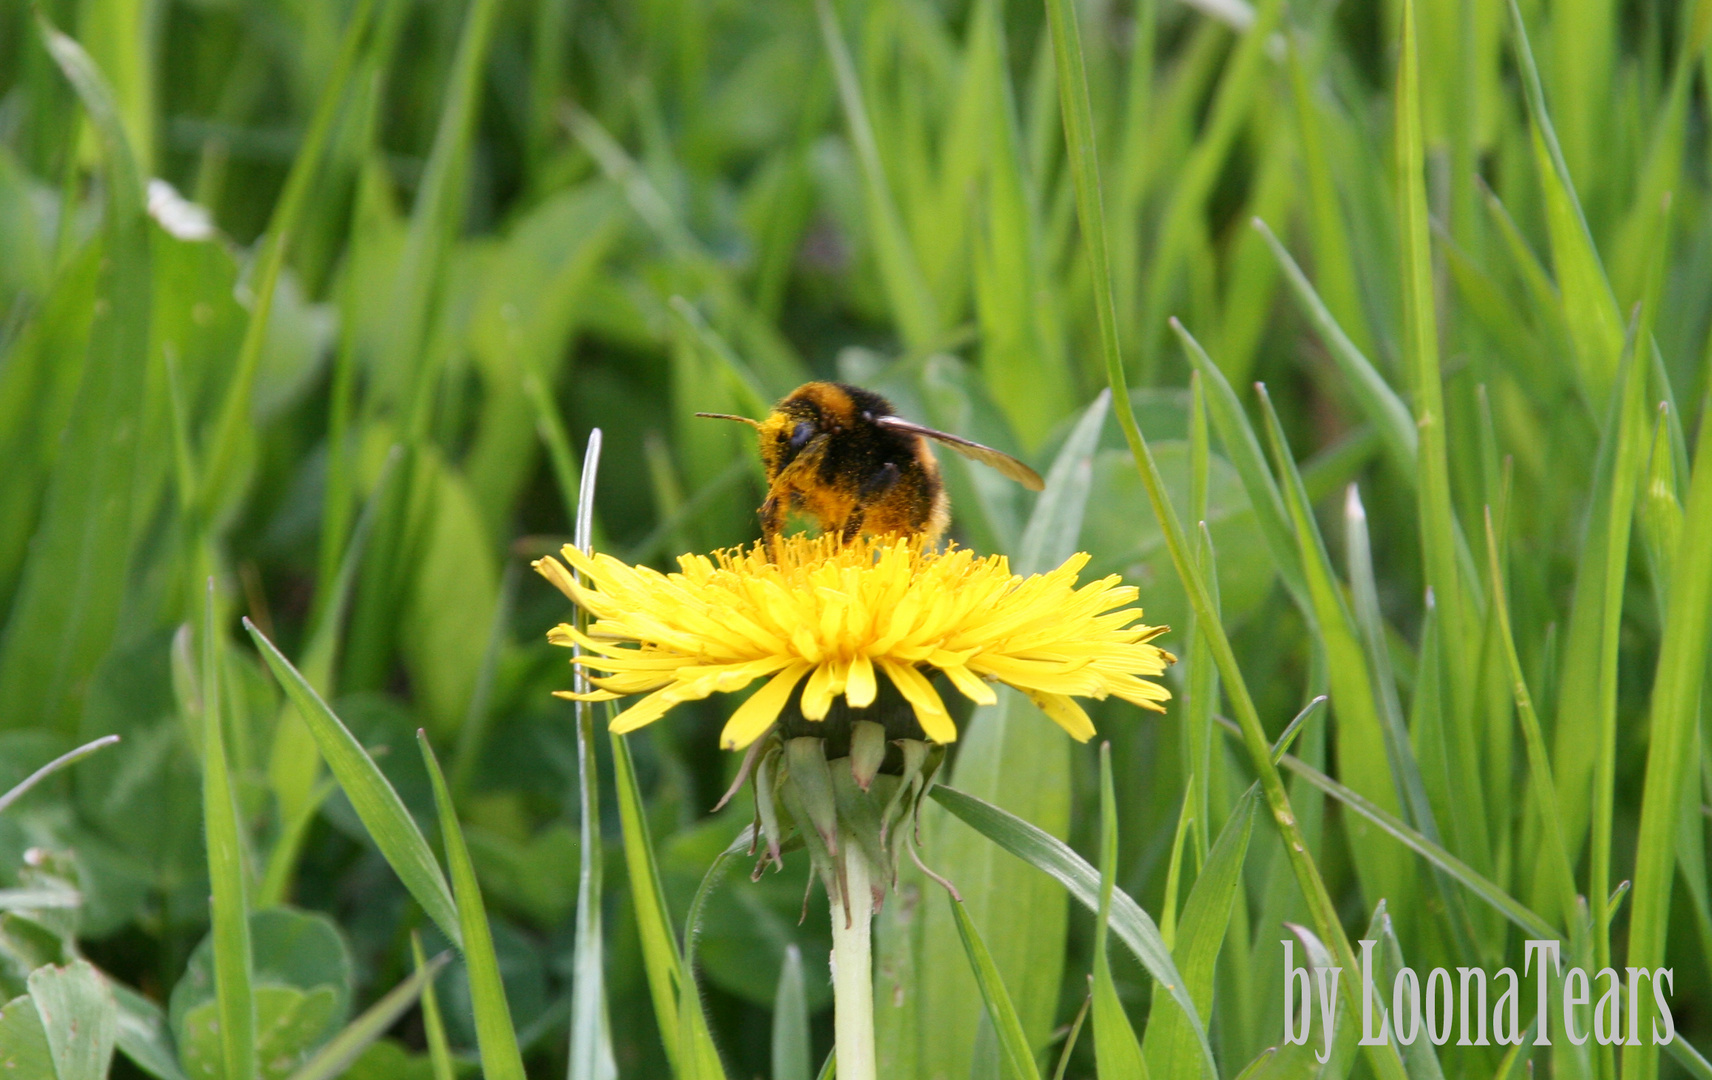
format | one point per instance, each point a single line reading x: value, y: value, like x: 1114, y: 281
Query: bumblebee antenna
x: 728, y: 416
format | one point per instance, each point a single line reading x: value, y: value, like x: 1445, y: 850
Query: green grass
x: 1404, y: 314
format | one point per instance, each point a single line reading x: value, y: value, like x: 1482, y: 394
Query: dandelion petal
x: 929, y: 709
x: 1066, y: 713
x: 756, y: 715
x: 859, y: 685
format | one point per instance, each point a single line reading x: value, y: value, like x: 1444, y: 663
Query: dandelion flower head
x: 843, y: 616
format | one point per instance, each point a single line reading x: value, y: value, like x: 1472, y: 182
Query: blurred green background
x: 490, y: 228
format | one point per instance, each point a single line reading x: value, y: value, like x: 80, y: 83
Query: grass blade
x: 1071, y: 1037
x: 334, y: 1058
x: 1009, y: 757
x: 911, y: 302
x: 439, y: 1049
x: 660, y: 958
x: 1084, y: 168
x: 1355, y: 693
x: 696, y: 1052
x: 294, y: 764
x: 382, y: 812
x: 230, y: 429
x: 1116, y: 1050
x: 70, y: 757
x: 1243, y: 451
x: 1438, y: 525
x: 1690, y: 1059
x: 1384, y: 409
x: 1626, y: 432
x: 1589, y: 306
x: 437, y: 215
x: 790, y: 1021
x: 1169, y: 1044
x: 1055, y: 524
x: 591, y: 1041
x: 1677, y: 688
x: 1012, y: 1042
x: 1556, y: 856
x: 1046, y: 853
x: 227, y: 877
x: 1399, y: 751
x: 66, y: 607
x: 1478, y: 884
x: 495, y: 1036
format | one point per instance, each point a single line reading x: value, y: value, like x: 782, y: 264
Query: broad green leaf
x: 301, y: 975
x: 497, y: 1039
x: 289, y: 1022
x: 79, y: 1019
x: 144, y: 1036
x: 336, y: 1056
x: 1055, y: 525
x: 377, y: 804
x: 24, y: 1050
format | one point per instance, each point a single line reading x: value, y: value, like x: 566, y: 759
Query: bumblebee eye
x: 801, y: 434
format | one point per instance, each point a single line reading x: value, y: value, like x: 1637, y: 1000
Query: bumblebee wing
x: 986, y: 455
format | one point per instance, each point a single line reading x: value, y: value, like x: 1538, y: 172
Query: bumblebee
x: 840, y: 454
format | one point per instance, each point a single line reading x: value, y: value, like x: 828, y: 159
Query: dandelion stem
x: 852, y: 969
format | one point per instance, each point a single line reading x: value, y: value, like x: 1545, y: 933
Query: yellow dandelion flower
x: 842, y: 617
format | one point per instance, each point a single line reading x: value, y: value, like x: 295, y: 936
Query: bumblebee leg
x: 852, y: 526
x: 884, y: 479
x: 938, y: 517
x: 772, y: 518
